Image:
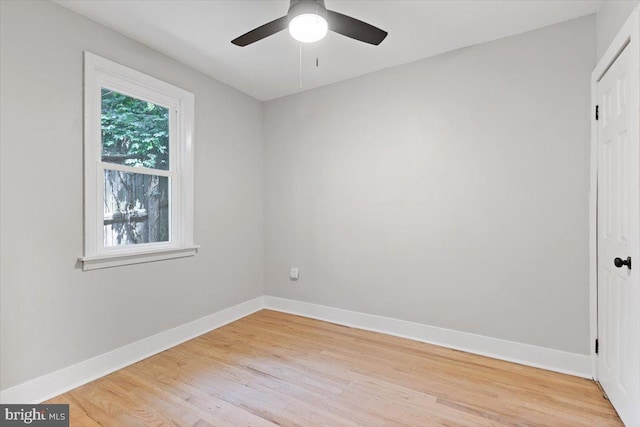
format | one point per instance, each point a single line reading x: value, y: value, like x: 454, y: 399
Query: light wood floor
x: 272, y: 368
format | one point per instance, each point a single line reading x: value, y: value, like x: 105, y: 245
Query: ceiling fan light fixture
x: 308, y: 27
x: 309, y: 20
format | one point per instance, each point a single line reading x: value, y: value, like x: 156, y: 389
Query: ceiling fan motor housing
x: 299, y: 7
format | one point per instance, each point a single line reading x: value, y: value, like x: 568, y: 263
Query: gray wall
x: 451, y: 191
x: 609, y: 19
x: 53, y: 314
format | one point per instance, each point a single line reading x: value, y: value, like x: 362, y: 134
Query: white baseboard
x: 525, y: 354
x: 63, y: 380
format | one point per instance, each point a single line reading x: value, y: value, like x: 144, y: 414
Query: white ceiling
x: 199, y: 34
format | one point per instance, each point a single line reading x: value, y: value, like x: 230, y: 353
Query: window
x: 138, y: 167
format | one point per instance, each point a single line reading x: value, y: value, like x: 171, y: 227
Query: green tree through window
x: 135, y: 133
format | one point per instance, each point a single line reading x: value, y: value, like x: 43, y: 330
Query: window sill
x: 106, y: 261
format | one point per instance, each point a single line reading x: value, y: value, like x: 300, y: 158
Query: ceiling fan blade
x: 266, y: 30
x: 354, y: 28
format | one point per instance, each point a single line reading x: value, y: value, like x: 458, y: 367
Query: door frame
x: 628, y: 37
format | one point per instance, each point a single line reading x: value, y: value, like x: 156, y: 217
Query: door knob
x: 619, y: 262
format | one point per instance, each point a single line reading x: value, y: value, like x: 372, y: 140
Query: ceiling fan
x: 309, y: 21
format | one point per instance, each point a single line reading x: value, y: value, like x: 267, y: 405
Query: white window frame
x: 100, y: 73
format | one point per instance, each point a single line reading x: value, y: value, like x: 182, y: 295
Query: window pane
x: 134, y: 132
x: 136, y: 208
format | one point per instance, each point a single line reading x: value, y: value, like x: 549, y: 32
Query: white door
x: 619, y: 237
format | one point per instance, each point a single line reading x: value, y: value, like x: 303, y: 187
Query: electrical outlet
x: 293, y: 273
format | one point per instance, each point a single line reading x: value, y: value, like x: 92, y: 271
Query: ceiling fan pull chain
x: 300, y: 65
x: 317, y: 45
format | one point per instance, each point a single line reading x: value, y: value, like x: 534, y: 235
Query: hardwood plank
x: 272, y: 368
